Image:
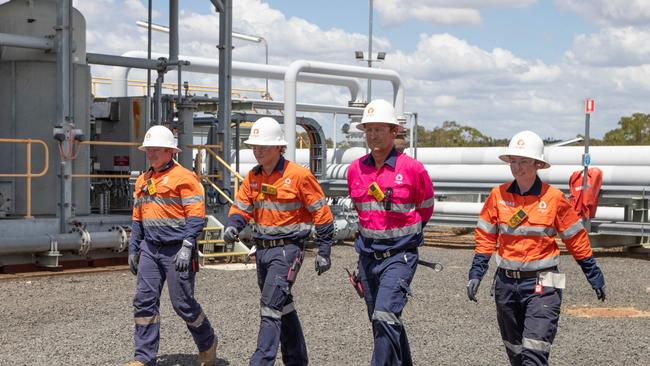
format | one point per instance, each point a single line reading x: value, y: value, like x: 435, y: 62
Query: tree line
x: 631, y: 130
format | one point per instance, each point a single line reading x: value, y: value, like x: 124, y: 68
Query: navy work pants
x: 279, y: 322
x: 157, y: 265
x: 386, y: 285
x: 527, y: 321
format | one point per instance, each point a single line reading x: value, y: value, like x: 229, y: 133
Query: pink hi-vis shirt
x: 398, y: 223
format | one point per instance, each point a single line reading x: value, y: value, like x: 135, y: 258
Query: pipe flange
x: 84, y: 240
x: 124, y: 238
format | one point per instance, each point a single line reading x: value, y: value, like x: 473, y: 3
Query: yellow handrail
x: 206, y: 177
x: 28, y: 170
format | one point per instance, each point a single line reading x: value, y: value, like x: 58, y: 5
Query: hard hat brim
x: 506, y: 158
x: 360, y: 126
x: 266, y: 143
x: 144, y: 148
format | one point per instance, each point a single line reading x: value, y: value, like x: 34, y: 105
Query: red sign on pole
x: 590, y: 105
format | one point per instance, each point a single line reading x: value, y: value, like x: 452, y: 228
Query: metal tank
x: 28, y: 108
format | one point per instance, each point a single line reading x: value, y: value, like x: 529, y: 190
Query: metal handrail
x: 206, y: 177
x: 28, y: 170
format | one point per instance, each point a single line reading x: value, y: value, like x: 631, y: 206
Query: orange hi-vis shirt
x: 173, y: 211
x: 531, y: 245
x: 288, y: 213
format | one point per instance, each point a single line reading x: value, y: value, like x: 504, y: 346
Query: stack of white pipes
x: 621, y: 165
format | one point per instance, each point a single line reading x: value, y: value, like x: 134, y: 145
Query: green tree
x: 634, y: 130
x: 452, y: 134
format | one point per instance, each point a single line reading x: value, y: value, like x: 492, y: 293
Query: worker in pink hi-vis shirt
x: 393, y: 196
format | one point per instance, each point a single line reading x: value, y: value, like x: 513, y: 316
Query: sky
x: 498, y: 65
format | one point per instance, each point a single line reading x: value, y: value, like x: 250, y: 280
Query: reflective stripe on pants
x: 527, y: 321
x: 386, y: 284
x: 157, y: 265
x: 279, y: 322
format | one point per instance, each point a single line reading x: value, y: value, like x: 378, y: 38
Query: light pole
x: 257, y: 39
x: 359, y: 54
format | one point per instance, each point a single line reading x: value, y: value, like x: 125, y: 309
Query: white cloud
x: 624, y: 46
x: 610, y: 12
x: 440, y: 11
x: 446, y: 77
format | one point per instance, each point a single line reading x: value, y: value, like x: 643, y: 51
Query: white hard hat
x: 159, y: 136
x: 378, y: 111
x: 266, y: 132
x: 526, y: 144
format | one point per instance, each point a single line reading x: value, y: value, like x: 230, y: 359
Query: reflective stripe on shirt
x: 391, y: 233
x: 277, y: 206
x: 527, y: 230
x: 571, y: 231
x: 381, y: 206
x: 279, y: 230
x: 163, y: 222
x: 527, y: 266
x: 486, y: 226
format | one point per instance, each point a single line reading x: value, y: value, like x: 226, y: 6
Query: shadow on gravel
x: 180, y: 359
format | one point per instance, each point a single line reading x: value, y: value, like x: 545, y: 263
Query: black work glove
x: 183, y: 257
x: 230, y: 234
x: 600, y: 293
x: 472, y: 288
x: 134, y: 258
x: 323, y: 264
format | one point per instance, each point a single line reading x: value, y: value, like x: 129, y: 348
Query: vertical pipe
x: 266, y: 61
x: 415, y: 136
x: 64, y: 119
x: 370, y: 49
x: 225, y: 79
x: 28, y: 180
x: 186, y: 121
x: 148, y: 103
x: 173, y: 31
x: 158, y: 97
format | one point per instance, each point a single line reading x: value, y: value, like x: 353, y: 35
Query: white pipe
x: 244, y: 69
x: 474, y: 208
x: 600, y: 155
x: 16, y: 40
x: 299, y: 66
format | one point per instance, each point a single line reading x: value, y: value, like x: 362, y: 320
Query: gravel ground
x: 87, y: 319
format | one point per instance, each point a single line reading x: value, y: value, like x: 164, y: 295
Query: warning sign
x: 121, y: 162
x: 590, y: 105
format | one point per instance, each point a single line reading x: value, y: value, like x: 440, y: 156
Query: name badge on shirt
x: 516, y: 219
x: 151, y: 187
x: 376, y: 192
x: 269, y: 189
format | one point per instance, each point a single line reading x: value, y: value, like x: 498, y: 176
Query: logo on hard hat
x: 147, y: 136
x: 371, y: 110
x: 256, y: 131
x: 521, y: 143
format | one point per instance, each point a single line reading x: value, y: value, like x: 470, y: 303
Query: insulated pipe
x: 497, y: 174
x: 15, y: 40
x: 173, y: 31
x: 210, y: 66
x: 606, y: 213
x: 64, y: 242
x: 299, y: 66
x: 600, y: 155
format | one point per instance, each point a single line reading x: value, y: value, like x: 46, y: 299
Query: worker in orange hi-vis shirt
x: 520, y: 221
x: 168, y: 216
x: 283, y: 199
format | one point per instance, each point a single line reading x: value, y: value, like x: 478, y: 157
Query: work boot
x: 134, y: 363
x: 209, y: 356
